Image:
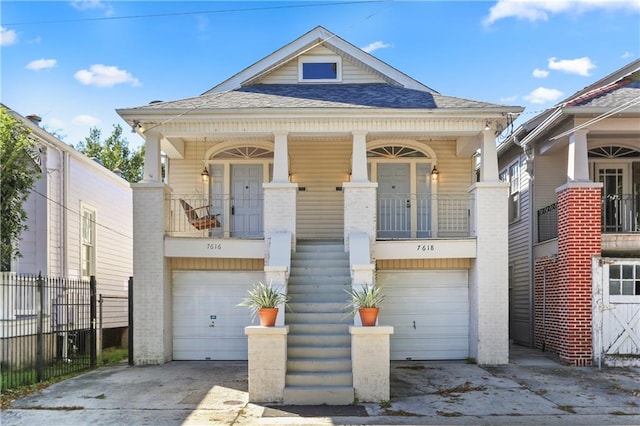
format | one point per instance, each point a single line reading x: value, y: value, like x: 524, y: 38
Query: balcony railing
x: 222, y: 216
x: 424, y: 216
x: 620, y: 215
x: 548, y: 222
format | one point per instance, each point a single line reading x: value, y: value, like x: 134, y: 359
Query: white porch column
x: 152, y: 160
x: 489, y: 157
x: 152, y: 318
x: 359, y: 157
x: 489, y: 276
x: 578, y: 160
x: 280, y: 158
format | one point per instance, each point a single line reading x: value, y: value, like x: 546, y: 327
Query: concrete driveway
x: 531, y: 390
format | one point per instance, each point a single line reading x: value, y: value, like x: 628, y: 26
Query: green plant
x: 263, y: 296
x: 367, y: 296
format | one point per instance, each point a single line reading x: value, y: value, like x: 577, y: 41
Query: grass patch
x: 114, y: 355
x: 401, y: 413
x: 385, y: 404
x: 471, y: 360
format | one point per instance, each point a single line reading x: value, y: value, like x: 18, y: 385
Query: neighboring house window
x: 88, y: 242
x: 512, y: 175
x: 320, y: 69
x: 624, y: 280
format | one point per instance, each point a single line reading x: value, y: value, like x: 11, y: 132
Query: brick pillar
x: 579, y: 239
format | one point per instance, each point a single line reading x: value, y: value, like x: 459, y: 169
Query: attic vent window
x: 320, y: 69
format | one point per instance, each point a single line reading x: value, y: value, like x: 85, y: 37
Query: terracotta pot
x: 369, y: 316
x: 268, y: 316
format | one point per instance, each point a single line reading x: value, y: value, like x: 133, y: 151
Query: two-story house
x: 79, y: 218
x: 315, y: 168
x: 574, y: 224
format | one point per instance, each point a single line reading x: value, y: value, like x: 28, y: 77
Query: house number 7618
x: 426, y: 247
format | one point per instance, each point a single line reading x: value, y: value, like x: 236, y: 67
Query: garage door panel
x: 429, y: 311
x: 207, y: 323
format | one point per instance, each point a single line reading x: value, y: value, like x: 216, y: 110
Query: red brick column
x: 579, y: 239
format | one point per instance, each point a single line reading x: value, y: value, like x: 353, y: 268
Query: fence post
x: 40, y: 331
x: 92, y: 334
x: 130, y: 336
x: 100, y: 329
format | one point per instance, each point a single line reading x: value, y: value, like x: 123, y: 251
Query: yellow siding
x: 423, y: 264
x: 320, y: 167
x: 351, y: 73
x: 216, y: 264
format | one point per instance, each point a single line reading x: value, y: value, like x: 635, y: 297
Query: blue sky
x: 74, y: 63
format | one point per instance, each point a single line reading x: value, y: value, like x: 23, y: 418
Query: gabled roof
x: 372, y: 95
x: 317, y: 36
x: 617, y: 92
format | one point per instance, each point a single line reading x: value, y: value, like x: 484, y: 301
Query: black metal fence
x: 47, y: 328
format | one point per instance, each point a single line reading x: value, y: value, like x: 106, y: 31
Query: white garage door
x: 207, y: 324
x: 429, y: 311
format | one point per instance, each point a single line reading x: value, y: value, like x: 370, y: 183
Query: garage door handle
x: 408, y: 204
x: 233, y: 210
x: 414, y: 325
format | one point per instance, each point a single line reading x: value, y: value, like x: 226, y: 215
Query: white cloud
x: 35, y: 40
x: 542, y: 95
x: 41, y: 64
x: 105, y: 76
x: 7, y: 37
x: 85, y: 120
x: 626, y: 55
x: 538, y: 73
x: 376, y: 45
x: 540, y: 10
x: 579, y: 66
x: 93, y: 4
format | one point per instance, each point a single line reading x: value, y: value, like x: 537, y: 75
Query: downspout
x: 544, y: 308
x: 65, y: 215
x: 527, y: 149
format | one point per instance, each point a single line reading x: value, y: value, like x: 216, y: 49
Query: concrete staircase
x: 319, y: 344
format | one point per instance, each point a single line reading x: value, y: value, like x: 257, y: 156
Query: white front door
x: 429, y: 311
x: 246, y: 200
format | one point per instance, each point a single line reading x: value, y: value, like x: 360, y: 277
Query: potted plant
x: 263, y: 301
x: 366, y: 302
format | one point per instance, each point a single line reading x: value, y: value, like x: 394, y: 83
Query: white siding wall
x: 111, y: 198
x: 351, y: 73
x: 550, y: 173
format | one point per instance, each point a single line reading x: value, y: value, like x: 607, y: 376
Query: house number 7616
x: 426, y: 247
x: 214, y: 246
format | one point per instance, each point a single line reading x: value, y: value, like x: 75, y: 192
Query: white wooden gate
x: 616, y: 311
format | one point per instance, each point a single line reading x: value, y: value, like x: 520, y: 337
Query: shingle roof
x: 373, y: 95
x: 611, y: 96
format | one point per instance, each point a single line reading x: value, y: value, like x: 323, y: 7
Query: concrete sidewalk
x: 532, y: 390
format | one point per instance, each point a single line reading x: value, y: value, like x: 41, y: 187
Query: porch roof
x: 360, y: 96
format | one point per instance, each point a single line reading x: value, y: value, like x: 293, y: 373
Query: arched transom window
x: 245, y: 152
x: 613, y: 152
x: 395, y: 151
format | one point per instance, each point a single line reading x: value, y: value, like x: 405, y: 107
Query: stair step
x: 324, y: 285
x: 319, y: 329
x: 317, y: 297
x: 320, y: 248
x: 314, y: 306
x: 318, y: 364
x: 337, y: 378
x: 314, y: 263
x: 322, y: 256
x: 318, y: 318
x: 318, y: 395
x: 320, y: 270
x: 320, y: 352
x: 318, y: 340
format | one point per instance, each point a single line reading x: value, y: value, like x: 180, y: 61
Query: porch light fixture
x: 487, y: 125
x: 434, y: 174
x: 204, y: 175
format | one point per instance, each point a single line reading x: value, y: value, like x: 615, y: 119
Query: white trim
x: 308, y: 59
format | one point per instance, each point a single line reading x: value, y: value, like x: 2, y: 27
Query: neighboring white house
x: 320, y: 144
x: 79, y: 218
x: 574, y: 224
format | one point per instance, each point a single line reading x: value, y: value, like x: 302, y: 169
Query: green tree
x: 18, y: 172
x: 114, y: 153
